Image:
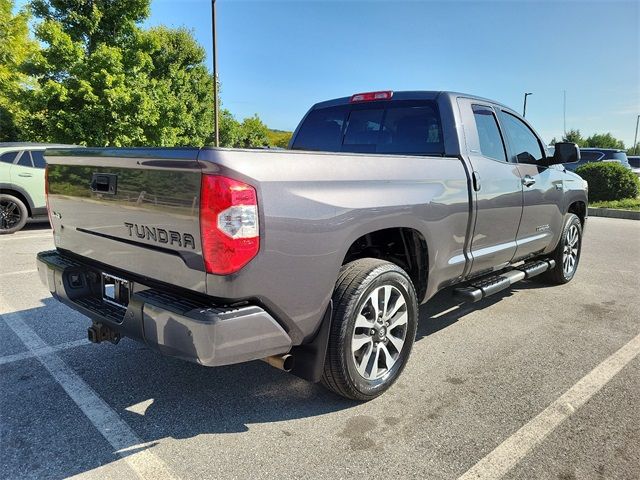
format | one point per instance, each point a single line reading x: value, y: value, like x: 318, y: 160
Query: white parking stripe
x: 19, y: 272
x: 115, y: 430
x: 517, y: 446
x: 25, y: 237
x: 43, y: 351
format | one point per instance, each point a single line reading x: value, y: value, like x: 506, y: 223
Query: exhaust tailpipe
x: 281, y: 362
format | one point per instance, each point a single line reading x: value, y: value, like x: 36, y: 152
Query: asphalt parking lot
x: 539, y: 382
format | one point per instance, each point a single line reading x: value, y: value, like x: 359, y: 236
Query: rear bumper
x: 190, y: 329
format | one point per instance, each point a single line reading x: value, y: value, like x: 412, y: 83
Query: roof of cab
x: 412, y: 95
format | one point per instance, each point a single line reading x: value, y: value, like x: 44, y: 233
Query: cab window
x: 25, y: 160
x: 8, y: 157
x: 491, y: 144
x: 38, y: 158
x: 520, y: 137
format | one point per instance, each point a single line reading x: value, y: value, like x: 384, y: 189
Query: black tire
x: 13, y: 214
x: 357, y: 282
x: 558, y: 275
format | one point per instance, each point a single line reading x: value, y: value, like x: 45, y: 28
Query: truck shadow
x: 161, y: 397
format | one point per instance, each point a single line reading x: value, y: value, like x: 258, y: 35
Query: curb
x: 614, y: 213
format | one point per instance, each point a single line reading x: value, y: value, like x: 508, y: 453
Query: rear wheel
x: 372, y: 330
x: 13, y: 214
x: 567, y: 253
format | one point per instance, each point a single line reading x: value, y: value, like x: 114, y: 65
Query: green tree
x: 94, y: 22
x: 634, y: 150
x: 603, y: 140
x: 16, y: 49
x: 279, y: 138
x: 230, y: 131
x: 106, y: 82
x: 574, y: 136
x: 254, y: 133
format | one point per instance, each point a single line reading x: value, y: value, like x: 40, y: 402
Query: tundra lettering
x: 316, y: 258
x: 161, y: 235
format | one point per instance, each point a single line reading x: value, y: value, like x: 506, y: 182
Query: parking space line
x: 43, y: 351
x: 506, y: 455
x: 19, y: 272
x: 115, y: 430
x: 26, y: 237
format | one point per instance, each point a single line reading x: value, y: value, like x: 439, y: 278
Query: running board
x: 482, y: 287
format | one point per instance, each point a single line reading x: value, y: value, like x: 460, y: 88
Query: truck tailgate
x: 133, y: 209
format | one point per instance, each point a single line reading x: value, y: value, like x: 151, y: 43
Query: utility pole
x: 216, y: 126
x: 635, y: 138
x: 524, y: 109
x: 564, y: 110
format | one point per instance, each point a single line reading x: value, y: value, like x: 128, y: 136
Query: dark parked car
x: 590, y: 155
x: 634, y: 161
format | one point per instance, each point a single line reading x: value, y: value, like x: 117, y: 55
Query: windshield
x: 620, y: 156
x: 400, y: 127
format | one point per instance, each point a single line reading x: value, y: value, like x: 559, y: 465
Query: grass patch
x: 626, y: 204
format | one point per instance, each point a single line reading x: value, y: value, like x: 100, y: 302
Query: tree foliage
x: 106, y: 82
x: 16, y: 49
x: 603, y: 140
x: 609, y: 181
x: 279, y: 138
x: 97, y: 78
x: 573, y: 136
x: 597, y: 140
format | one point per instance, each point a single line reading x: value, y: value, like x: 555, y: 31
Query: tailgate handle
x: 104, y: 183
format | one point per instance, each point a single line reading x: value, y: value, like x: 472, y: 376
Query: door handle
x: 528, y: 180
x: 25, y: 175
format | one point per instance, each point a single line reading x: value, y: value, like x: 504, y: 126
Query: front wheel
x: 372, y: 330
x: 567, y: 253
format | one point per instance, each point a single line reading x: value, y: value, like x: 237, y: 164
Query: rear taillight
x: 228, y: 224
x: 46, y: 196
x: 372, y: 96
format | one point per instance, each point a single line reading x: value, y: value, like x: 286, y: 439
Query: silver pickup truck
x: 313, y: 258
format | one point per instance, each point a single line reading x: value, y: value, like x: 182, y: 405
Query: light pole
x: 524, y: 109
x: 635, y: 138
x: 216, y: 129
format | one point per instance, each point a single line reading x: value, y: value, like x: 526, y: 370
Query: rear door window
x: 491, y: 143
x: 38, y: 158
x: 25, y: 160
x: 396, y: 127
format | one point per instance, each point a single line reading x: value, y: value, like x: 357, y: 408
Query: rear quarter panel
x: 313, y: 206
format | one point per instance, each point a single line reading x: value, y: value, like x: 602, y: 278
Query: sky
x: 277, y: 58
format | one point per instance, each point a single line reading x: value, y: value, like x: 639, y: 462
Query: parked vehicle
x: 634, y: 162
x: 317, y: 258
x: 22, y: 195
x: 589, y: 155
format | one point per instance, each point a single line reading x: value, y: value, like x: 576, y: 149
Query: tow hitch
x: 99, y: 332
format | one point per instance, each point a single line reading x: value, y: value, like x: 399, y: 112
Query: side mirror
x: 565, y: 152
x: 526, y: 157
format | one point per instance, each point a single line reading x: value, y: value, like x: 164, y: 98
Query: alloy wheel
x: 570, y: 252
x: 10, y: 214
x: 379, y: 333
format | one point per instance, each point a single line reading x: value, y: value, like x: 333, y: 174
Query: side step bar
x: 485, y: 286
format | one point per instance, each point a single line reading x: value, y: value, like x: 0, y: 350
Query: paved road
x: 485, y: 382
